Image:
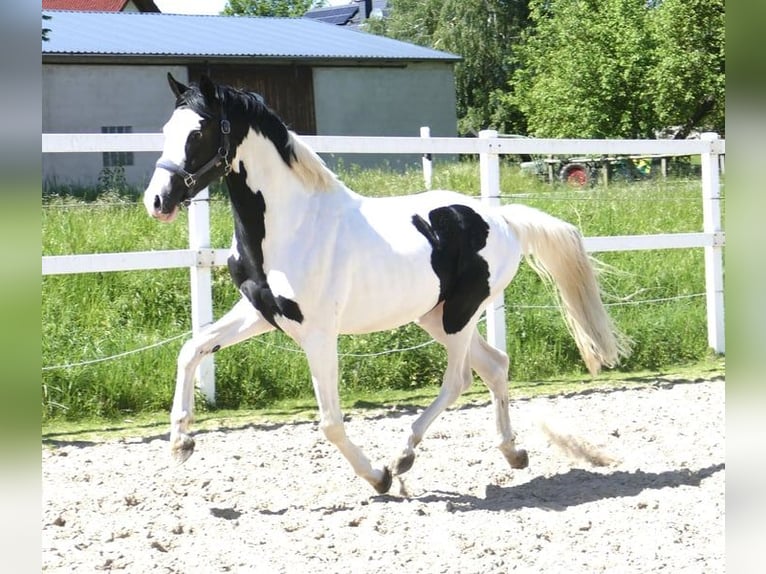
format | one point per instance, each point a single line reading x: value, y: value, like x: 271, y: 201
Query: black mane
x: 243, y: 110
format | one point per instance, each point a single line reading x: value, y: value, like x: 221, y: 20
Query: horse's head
x: 196, y: 151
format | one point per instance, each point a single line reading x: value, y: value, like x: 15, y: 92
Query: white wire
x: 355, y: 355
x: 341, y: 355
x: 117, y: 356
x: 659, y: 300
x: 617, y: 304
x: 390, y: 351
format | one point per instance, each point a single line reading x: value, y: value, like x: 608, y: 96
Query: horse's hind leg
x: 457, y: 378
x: 240, y: 323
x: 492, y: 366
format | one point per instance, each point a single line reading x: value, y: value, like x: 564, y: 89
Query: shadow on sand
x: 561, y: 491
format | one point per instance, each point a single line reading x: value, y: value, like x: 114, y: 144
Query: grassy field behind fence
x: 653, y: 297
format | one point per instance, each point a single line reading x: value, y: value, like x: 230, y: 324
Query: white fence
x: 200, y: 257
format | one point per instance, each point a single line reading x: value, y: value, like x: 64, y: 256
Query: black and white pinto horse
x: 315, y: 260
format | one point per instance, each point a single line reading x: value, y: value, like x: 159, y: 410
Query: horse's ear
x: 177, y: 87
x: 207, y: 87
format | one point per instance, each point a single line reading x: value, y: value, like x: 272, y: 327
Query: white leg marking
x: 457, y: 378
x: 322, y: 354
x: 241, y: 322
x: 492, y: 366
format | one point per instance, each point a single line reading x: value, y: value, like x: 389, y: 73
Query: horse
x: 314, y: 259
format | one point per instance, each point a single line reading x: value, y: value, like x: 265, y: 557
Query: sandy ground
x: 279, y: 498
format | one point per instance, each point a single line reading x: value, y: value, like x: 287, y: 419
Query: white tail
x: 555, y: 250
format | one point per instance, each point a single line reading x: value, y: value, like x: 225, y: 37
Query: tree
x: 584, y: 69
x: 689, y: 77
x: 412, y: 21
x: 621, y: 68
x: 483, y: 32
x: 280, y: 8
x: 576, y: 68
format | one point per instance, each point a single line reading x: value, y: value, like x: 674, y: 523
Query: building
x: 352, y: 14
x: 102, y: 5
x: 105, y: 72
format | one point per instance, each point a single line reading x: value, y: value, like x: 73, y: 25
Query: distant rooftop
x: 99, y: 5
x: 353, y: 14
x: 338, y: 15
x: 156, y: 35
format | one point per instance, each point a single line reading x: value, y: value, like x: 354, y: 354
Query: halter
x: 190, y: 179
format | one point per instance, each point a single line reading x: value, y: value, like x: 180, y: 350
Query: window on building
x: 117, y: 158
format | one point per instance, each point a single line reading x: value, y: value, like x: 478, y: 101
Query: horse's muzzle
x: 158, y: 203
x: 161, y: 212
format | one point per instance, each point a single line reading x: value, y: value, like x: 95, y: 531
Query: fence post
x: 428, y: 167
x: 201, y: 286
x: 489, y: 172
x: 711, y: 218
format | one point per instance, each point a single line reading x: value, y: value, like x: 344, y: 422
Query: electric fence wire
x: 353, y: 355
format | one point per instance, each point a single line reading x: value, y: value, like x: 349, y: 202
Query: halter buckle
x: 189, y: 180
x: 225, y: 127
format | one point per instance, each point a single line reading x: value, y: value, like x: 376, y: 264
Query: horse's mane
x: 250, y: 109
x: 309, y: 167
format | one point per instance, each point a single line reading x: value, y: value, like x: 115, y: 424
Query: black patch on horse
x: 247, y: 271
x: 243, y: 110
x: 457, y: 233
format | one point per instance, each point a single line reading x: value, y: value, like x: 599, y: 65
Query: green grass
x: 90, y: 316
x: 152, y: 424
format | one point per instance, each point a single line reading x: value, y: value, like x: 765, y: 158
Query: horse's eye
x: 195, y: 135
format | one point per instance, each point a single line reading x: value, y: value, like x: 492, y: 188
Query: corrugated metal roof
x: 148, y: 34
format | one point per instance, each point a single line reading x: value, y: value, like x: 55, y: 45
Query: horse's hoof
x: 404, y: 462
x: 519, y: 459
x: 182, y: 448
x: 384, y: 485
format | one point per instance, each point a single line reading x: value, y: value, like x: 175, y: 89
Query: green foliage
x: 279, y: 8
x: 621, y: 68
x: 91, y: 316
x: 409, y: 20
x: 576, y: 68
x: 585, y: 69
x: 111, y: 180
x: 690, y: 74
x: 482, y: 32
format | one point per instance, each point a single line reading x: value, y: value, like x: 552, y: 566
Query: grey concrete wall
x: 385, y: 102
x: 83, y: 98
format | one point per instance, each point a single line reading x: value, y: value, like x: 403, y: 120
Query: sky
x: 206, y: 6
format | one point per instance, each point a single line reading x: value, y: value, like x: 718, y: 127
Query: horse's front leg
x: 240, y: 323
x: 322, y: 354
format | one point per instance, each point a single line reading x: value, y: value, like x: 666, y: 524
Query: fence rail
x: 201, y: 257
x: 70, y: 143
